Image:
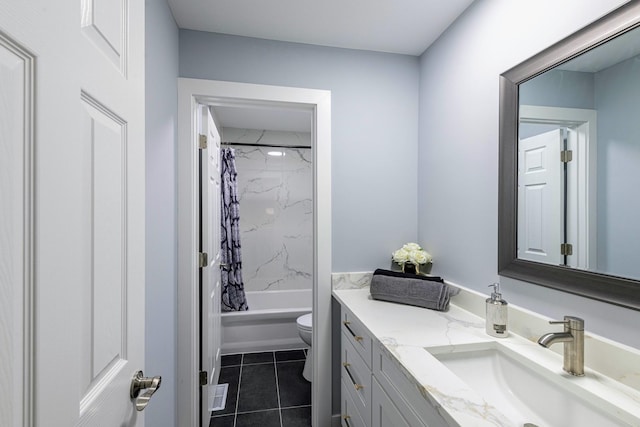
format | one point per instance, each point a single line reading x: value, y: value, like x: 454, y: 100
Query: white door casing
x: 86, y: 121
x: 540, y: 198
x: 194, y: 92
x: 210, y: 302
x: 576, y: 231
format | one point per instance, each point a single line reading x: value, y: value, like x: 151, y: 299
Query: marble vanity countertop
x: 405, y: 333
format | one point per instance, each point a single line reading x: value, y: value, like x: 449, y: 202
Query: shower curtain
x: 233, y: 296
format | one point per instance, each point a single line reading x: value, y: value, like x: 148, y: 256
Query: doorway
x: 575, y: 221
x: 193, y: 93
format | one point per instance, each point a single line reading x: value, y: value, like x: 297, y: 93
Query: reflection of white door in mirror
x: 536, y: 244
x: 540, y: 198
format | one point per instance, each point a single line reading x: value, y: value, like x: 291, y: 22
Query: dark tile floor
x: 265, y: 390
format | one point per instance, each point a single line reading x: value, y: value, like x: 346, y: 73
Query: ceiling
x: 393, y: 26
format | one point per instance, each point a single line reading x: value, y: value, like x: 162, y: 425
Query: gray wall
x: 458, y: 152
x: 559, y: 88
x: 161, y: 270
x: 374, y: 130
x: 617, y: 101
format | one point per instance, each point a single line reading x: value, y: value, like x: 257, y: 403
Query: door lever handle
x: 139, y: 383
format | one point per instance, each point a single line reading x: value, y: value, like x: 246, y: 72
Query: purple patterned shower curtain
x: 233, y: 296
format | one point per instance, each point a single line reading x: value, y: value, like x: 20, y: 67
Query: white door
x: 540, y: 193
x: 210, y: 303
x: 86, y: 116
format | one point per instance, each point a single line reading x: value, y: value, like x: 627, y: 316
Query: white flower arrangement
x: 413, y: 253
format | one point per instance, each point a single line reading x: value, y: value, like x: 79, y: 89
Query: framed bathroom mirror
x: 569, y: 179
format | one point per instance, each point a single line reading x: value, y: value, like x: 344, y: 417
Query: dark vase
x: 423, y: 269
x: 407, y: 267
x: 410, y: 268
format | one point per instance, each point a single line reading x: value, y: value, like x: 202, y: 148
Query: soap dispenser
x: 496, y: 315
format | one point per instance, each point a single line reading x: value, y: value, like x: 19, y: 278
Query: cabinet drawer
x: 357, y: 377
x: 357, y: 335
x: 349, y: 416
x: 385, y: 414
x: 402, y: 391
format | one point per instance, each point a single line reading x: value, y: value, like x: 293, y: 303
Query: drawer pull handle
x: 346, y: 419
x: 353, y: 381
x: 355, y: 337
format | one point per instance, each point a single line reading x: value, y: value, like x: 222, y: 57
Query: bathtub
x: 269, y: 324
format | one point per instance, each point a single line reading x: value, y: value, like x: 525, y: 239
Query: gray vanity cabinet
x: 375, y: 391
x: 386, y: 414
x: 355, y: 371
x: 350, y: 416
x: 402, y: 396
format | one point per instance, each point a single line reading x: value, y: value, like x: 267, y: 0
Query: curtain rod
x: 247, y: 144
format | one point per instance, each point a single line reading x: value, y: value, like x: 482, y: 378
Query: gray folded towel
x: 422, y: 291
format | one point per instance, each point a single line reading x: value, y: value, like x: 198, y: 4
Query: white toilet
x: 305, y: 330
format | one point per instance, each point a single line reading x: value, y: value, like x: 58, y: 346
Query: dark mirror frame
x: 612, y: 289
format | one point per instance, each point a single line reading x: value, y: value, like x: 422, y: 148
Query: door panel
x: 102, y: 23
x: 104, y: 332
x: 89, y: 205
x: 210, y: 243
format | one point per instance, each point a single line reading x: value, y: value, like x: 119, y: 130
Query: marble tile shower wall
x: 276, y: 209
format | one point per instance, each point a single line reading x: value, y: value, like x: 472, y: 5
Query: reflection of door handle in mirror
x: 139, y: 383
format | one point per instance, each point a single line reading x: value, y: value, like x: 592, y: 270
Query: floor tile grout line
x: 275, y: 370
x: 291, y: 350
x: 235, y: 412
x: 296, y: 407
x: 259, y: 363
x: 262, y: 363
x: 257, y: 410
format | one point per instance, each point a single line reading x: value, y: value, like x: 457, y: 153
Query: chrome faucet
x: 573, y: 339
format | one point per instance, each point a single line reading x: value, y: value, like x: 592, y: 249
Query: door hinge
x: 202, y: 142
x: 566, y: 249
x: 203, y: 259
x: 204, y: 378
x: 566, y: 156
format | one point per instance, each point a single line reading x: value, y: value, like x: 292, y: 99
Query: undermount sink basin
x: 526, y: 393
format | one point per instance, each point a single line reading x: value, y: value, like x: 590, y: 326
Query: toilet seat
x: 305, y: 322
